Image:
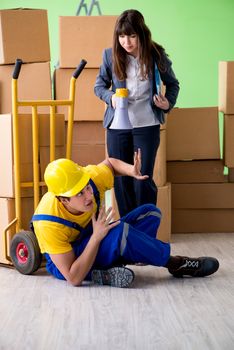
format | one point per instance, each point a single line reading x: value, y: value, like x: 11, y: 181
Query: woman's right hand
x: 102, y: 225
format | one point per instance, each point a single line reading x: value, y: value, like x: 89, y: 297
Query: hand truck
x: 23, y: 247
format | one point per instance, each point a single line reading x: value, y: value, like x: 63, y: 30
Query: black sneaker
x: 195, y: 267
x: 119, y: 276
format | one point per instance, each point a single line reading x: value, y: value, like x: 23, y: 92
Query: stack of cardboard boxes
x: 226, y: 107
x: 201, y: 196
x: 23, y: 34
x: 164, y: 187
x: 84, y: 37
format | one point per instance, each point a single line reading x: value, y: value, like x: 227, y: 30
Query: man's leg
x: 139, y: 244
x: 145, y: 218
x: 139, y: 247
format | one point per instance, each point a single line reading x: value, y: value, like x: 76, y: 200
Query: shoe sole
x: 119, y: 277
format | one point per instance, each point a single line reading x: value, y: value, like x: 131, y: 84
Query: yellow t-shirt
x: 55, y: 238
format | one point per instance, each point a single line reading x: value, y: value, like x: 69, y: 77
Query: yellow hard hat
x: 64, y: 177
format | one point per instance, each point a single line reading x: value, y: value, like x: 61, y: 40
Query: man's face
x: 82, y: 201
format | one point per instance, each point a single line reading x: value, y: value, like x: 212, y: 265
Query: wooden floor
x: 158, y: 312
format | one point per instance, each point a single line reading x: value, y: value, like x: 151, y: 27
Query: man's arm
x: 119, y: 167
x: 75, y: 269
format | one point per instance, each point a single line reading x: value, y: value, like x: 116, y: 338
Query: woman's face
x: 129, y: 43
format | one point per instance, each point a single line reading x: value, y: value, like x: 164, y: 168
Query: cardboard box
x: 202, y: 208
x: 202, y: 220
x: 44, y: 151
x: 226, y: 87
x: 160, y: 168
x: 228, y: 140
x: 196, y: 171
x: 6, y: 154
x: 193, y: 133
x: 87, y: 105
x: 85, y: 154
x: 164, y: 126
x: 25, y: 149
x: 24, y: 34
x: 34, y: 83
x: 7, y: 214
x: 203, y: 196
x: 84, y: 37
x: 231, y: 175
x: 88, y: 132
x: 164, y: 204
x: 44, y: 130
x: 88, y: 145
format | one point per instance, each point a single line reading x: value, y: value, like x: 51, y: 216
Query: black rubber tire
x: 25, y: 252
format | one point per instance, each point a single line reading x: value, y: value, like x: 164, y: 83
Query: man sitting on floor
x: 79, y: 238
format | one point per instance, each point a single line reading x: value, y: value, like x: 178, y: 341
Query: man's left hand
x: 137, y: 166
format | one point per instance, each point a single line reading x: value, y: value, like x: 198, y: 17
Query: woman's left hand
x: 161, y: 102
x: 137, y: 166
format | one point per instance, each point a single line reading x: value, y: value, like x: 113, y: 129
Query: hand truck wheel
x: 25, y: 252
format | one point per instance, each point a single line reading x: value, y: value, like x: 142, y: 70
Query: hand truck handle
x: 16, y: 72
x: 79, y: 68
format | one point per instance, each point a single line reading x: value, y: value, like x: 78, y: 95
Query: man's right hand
x: 103, y: 223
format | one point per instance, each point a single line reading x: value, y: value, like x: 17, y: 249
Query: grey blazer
x: 107, y: 83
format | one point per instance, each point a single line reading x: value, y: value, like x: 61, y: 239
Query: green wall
x: 197, y: 34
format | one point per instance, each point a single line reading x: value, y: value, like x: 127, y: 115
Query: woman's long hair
x: 128, y: 23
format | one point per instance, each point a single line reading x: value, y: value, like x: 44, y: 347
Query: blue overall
x: 132, y: 241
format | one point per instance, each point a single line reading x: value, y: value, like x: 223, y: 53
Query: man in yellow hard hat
x: 79, y: 238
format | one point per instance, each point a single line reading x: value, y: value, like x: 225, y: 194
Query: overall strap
x: 57, y: 219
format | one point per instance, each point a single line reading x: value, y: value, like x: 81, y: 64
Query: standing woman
x: 139, y: 64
